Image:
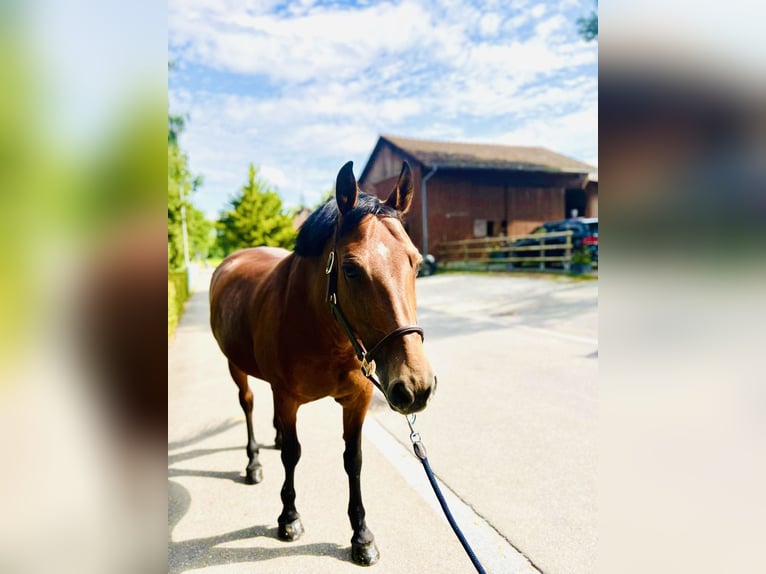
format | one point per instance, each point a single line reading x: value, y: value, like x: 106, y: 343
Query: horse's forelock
x: 320, y: 225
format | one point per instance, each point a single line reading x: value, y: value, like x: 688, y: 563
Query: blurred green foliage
x: 582, y: 256
x: 71, y: 190
x: 18, y: 183
x: 588, y: 27
x: 178, y: 293
x: 256, y: 217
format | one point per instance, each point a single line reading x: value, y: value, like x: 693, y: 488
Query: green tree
x: 179, y: 188
x: 176, y: 125
x: 256, y: 217
x: 181, y: 185
x: 201, y: 233
x: 588, y: 27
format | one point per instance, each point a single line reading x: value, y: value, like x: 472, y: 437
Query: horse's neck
x: 308, y: 289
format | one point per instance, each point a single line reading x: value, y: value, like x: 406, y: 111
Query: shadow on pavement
x: 233, y: 475
x: 546, y: 312
x: 202, y: 552
x: 203, y: 434
x: 174, y: 458
x: 197, y: 452
x: 439, y: 325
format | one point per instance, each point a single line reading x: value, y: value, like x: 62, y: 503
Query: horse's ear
x: 346, y: 191
x: 401, y: 197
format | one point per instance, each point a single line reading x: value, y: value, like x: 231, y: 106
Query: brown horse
x: 274, y: 315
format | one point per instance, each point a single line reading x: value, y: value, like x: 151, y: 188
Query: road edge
x: 494, y: 551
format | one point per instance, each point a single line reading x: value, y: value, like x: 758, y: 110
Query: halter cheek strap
x: 364, y: 356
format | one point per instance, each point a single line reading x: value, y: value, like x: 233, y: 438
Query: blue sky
x: 301, y: 87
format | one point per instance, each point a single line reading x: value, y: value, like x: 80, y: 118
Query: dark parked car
x: 584, y: 236
x: 428, y: 267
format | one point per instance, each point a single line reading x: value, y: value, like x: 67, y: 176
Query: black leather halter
x: 364, y: 356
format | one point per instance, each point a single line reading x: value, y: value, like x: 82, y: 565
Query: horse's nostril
x: 401, y: 396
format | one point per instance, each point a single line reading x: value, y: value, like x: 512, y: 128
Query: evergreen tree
x: 256, y: 218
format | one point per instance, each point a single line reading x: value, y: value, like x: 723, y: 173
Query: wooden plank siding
x: 456, y: 201
x: 592, y: 194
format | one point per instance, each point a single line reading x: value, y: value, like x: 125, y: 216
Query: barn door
x: 575, y: 200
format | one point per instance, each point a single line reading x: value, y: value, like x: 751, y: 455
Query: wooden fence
x: 500, y: 251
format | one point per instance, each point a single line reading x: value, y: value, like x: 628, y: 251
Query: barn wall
x: 455, y: 203
x: 387, y: 163
x: 413, y: 218
x: 457, y: 206
x: 531, y: 206
x: 459, y: 200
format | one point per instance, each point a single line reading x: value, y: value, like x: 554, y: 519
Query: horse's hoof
x: 290, y: 531
x: 254, y: 475
x: 365, y: 554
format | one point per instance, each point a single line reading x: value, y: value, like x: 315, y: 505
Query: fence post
x: 568, y: 252
x: 542, y: 254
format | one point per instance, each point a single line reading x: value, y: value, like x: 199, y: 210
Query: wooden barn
x: 466, y: 191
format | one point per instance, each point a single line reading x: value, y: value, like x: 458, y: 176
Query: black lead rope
x: 420, y: 452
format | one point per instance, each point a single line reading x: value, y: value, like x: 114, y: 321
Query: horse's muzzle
x: 409, y: 397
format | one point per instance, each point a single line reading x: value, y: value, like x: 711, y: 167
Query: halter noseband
x: 364, y: 356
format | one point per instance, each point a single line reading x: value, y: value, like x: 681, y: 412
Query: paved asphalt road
x: 511, y: 432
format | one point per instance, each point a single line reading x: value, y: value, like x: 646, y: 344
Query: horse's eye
x: 351, y: 270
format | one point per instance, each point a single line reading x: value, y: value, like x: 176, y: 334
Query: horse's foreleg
x: 254, y: 471
x: 278, y: 435
x: 363, y: 548
x: 290, y: 526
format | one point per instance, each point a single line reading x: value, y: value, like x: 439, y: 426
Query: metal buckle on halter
x: 330, y: 263
x: 367, y: 367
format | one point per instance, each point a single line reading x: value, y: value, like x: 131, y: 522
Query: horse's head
x: 377, y: 265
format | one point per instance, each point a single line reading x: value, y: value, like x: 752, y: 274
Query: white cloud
x: 273, y: 175
x: 546, y: 28
x: 517, y: 21
x: 329, y: 80
x: 323, y: 42
x: 490, y: 24
x: 573, y: 133
x: 538, y: 10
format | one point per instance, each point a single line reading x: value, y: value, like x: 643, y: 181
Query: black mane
x: 320, y: 225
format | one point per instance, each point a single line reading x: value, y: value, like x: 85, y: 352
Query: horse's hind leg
x: 363, y: 548
x: 254, y: 471
x: 286, y: 409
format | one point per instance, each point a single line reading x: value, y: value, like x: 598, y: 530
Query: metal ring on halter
x: 367, y: 368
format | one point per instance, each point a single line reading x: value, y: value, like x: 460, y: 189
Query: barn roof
x: 454, y: 155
